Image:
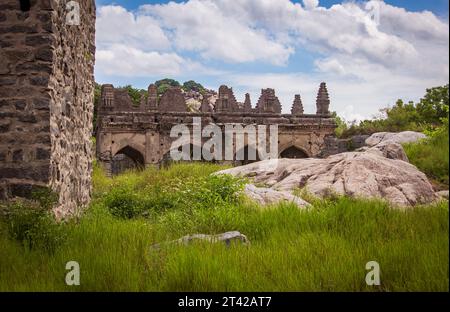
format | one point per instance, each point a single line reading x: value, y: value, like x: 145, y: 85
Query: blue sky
x: 369, y: 56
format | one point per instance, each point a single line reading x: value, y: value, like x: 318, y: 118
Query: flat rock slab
x: 227, y: 238
x: 356, y: 174
x: 266, y: 196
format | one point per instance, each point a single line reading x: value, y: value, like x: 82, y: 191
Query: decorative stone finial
x: 268, y: 102
x: 297, y: 106
x: 226, y: 101
x: 107, y: 96
x: 247, y: 103
x: 323, y: 100
x: 152, y: 100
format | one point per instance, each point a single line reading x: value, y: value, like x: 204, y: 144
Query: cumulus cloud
x: 202, y: 26
x: 366, y: 64
x: 117, y: 25
x: 131, y: 62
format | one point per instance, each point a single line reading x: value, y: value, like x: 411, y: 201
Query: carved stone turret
x: 323, y: 100
x: 226, y: 101
x: 268, y: 102
x: 107, y: 96
x: 172, y: 101
x: 152, y: 99
x: 297, y: 106
x: 247, y: 103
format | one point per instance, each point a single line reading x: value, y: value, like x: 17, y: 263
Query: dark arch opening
x: 247, y: 160
x: 127, y: 159
x: 25, y: 5
x: 293, y: 152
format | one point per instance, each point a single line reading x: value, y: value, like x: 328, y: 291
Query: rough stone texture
x: 388, y: 144
x: 267, y: 196
x: 443, y: 194
x: 400, y: 137
x: 226, y: 101
x: 145, y: 131
x: 46, y: 99
x: 268, y: 102
x: 247, y: 103
x: 388, y: 149
x: 357, y: 174
x: 323, y: 100
x: 172, y: 101
x: 227, y: 238
x: 297, y: 106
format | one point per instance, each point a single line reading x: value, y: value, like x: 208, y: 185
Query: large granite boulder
x: 389, y: 144
x: 357, y: 174
x: 400, y: 137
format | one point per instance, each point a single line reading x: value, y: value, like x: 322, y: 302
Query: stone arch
x: 127, y: 158
x: 294, y: 152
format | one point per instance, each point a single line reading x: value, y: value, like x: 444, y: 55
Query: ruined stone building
x: 46, y: 100
x: 139, y: 135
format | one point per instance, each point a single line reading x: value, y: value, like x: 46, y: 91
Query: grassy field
x: 324, y: 248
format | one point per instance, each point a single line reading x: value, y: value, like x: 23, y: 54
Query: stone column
x: 46, y: 100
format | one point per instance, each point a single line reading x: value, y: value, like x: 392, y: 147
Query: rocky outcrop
x: 356, y: 174
x: 267, y: 196
x: 443, y: 194
x: 227, y: 238
x: 400, y: 137
x: 389, y: 144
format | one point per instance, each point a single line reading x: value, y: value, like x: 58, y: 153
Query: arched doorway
x: 293, y: 152
x: 125, y: 159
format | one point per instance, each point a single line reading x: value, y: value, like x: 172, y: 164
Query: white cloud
x: 202, y: 26
x: 116, y: 25
x: 310, y: 4
x: 367, y: 66
x: 131, y: 62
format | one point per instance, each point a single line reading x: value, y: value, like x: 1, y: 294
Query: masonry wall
x: 46, y: 101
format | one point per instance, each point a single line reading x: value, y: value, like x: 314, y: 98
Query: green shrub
x: 431, y: 155
x: 124, y: 202
x: 33, y: 225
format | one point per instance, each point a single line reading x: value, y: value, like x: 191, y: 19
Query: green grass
x: 324, y: 248
x: 431, y: 156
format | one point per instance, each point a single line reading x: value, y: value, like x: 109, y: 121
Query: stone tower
x: 268, y: 102
x: 152, y: 100
x: 46, y: 99
x: 226, y: 101
x: 297, y: 106
x: 247, y: 103
x: 323, y: 100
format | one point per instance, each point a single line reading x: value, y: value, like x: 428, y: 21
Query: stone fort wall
x: 46, y: 100
x: 142, y: 132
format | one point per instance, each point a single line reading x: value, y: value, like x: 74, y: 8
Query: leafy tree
x: 194, y: 86
x: 429, y: 113
x: 135, y: 94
